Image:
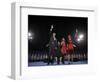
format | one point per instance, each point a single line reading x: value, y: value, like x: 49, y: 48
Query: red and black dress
x: 70, y: 47
x: 63, y: 48
x: 63, y: 51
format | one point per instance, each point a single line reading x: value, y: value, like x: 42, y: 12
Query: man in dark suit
x: 52, y: 48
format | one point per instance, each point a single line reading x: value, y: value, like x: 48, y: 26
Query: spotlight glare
x: 81, y: 36
x: 78, y: 39
x: 30, y: 38
x: 29, y: 34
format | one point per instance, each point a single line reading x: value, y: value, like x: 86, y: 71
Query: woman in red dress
x: 70, y: 49
x: 63, y: 50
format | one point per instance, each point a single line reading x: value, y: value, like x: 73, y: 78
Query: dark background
x: 40, y: 27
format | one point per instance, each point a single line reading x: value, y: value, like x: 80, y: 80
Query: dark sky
x: 40, y: 27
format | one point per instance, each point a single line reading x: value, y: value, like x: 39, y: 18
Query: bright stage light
x: 30, y: 36
x: 80, y: 37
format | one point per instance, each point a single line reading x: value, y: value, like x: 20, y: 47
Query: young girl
x: 63, y: 50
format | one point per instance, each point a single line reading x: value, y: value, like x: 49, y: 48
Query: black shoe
x: 68, y: 62
x: 52, y: 63
x: 48, y: 63
x: 63, y: 63
x: 58, y: 63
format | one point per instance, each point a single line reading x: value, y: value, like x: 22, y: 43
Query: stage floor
x: 40, y: 63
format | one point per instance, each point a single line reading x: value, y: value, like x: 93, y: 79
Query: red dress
x: 70, y: 45
x: 63, y: 48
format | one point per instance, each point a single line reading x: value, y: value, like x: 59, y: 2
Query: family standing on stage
x: 60, y: 49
